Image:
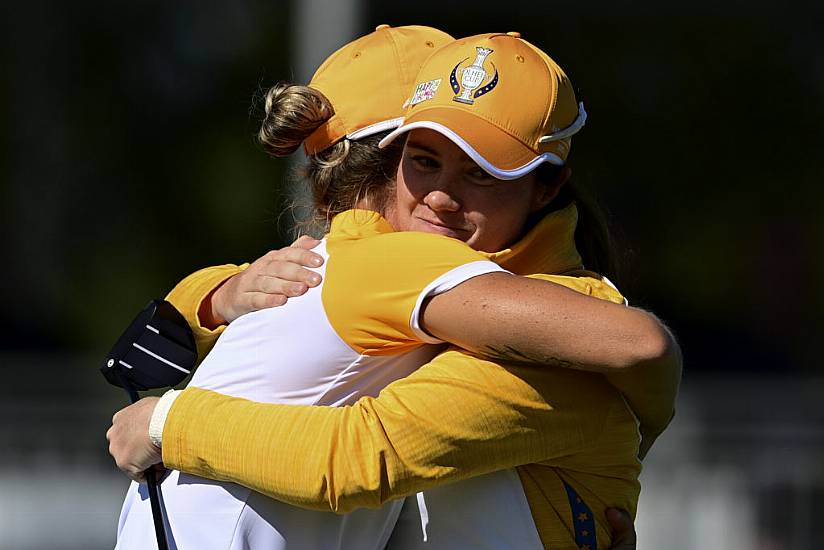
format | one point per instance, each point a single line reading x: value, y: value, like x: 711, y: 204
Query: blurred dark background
x: 129, y: 157
x: 129, y: 160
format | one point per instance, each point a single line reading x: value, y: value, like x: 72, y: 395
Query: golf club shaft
x: 157, y: 513
x: 151, y: 482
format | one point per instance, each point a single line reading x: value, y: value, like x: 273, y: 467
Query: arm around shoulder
x: 512, y: 318
x: 454, y: 418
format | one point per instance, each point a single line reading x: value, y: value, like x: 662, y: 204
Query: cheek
x: 500, y: 217
x: 391, y: 215
x: 401, y: 203
x: 403, y: 195
x: 416, y: 183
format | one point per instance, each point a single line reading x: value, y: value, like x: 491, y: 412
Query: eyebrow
x: 417, y: 145
x: 422, y: 147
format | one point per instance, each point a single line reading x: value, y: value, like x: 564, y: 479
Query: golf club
x: 156, y: 350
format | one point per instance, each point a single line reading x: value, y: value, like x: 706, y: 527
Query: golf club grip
x: 157, y: 514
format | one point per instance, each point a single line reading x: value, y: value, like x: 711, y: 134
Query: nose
x: 440, y: 200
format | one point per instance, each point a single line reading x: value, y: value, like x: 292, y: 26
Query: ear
x: 548, y: 190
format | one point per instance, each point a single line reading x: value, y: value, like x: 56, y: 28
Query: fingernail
x: 315, y: 261
x: 314, y: 279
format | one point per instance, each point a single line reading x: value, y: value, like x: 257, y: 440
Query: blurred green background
x: 129, y: 160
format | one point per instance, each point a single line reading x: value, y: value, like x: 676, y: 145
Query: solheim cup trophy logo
x: 471, y: 78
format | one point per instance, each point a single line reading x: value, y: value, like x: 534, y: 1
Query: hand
x: 268, y: 282
x: 623, y: 531
x: 129, y: 441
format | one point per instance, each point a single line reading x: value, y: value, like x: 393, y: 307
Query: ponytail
x: 593, y: 236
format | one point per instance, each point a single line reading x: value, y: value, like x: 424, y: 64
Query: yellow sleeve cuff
x: 190, y: 293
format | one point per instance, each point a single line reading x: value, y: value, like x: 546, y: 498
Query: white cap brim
x: 375, y: 128
x: 470, y: 151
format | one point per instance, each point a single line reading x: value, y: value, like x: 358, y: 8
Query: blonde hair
x: 339, y: 176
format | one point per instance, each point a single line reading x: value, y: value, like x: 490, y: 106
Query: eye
x: 481, y: 177
x: 423, y: 162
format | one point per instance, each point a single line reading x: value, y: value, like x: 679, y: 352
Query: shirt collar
x: 549, y: 247
x: 359, y: 223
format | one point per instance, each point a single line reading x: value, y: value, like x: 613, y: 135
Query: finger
x: 260, y: 300
x: 300, y: 256
x: 305, y: 241
x: 290, y: 279
x: 290, y: 290
x: 623, y: 531
x: 277, y: 286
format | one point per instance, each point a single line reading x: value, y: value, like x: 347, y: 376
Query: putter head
x: 156, y: 351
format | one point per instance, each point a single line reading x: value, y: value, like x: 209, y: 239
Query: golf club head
x: 156, y: 351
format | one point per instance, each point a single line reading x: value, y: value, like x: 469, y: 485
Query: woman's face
x: 441, y: 190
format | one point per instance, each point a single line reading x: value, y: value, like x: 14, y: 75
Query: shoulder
x: 404, y: 251
x: 586, y: 282
x: 363, y: 233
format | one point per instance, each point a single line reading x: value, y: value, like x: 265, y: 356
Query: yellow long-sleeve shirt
x: 456, y: 417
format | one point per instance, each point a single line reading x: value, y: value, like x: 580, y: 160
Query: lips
x: 437, y: 226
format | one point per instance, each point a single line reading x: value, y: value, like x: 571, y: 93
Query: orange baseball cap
x: 368, y: 80
x: 500, y: 99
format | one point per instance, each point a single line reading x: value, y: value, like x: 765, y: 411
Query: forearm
x: 638, y: 354
x: 454, y: 418
x: 544, y: 322
x: 651, y: 391
x: 191, y: 297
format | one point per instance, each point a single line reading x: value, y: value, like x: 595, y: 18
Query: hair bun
x: 292, y: 113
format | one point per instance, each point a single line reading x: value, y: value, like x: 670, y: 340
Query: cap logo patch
x: 425, y: 91
x: 472, y: 77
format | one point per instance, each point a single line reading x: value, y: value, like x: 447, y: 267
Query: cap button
x: 382, y: 26
x: 514, y: 34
